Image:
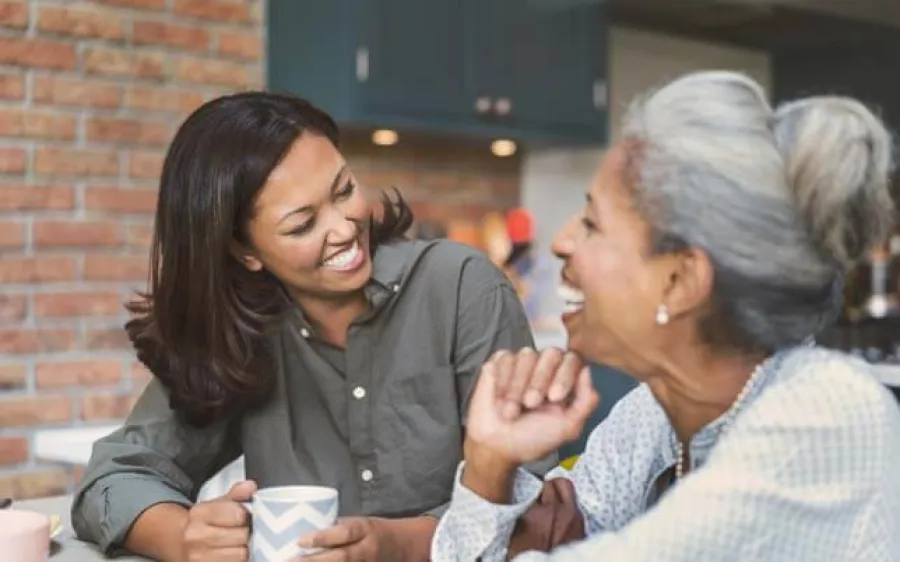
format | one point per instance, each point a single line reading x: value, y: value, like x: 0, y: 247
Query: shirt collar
x: 702, y: 443
x: 391, y: 263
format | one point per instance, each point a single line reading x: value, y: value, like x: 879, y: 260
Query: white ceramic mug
x: 283, y: 514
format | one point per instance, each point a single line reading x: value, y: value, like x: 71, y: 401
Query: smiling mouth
x: 347, y: 259
x: 572, y: 297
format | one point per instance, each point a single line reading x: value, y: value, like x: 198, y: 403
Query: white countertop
x: 71, y: 445
x: 888, y: 374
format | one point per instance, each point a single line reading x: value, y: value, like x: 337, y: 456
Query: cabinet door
x: 409, y: 61
x: 547, y: 67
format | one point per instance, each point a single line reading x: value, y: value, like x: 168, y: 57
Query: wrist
x: 489, y: 476
x: 486, y: 458
x: 411, y: 536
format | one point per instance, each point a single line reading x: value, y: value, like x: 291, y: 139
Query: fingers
x: 564, y: 489
x: 205, y: 537
x: 528, y: 379
x: 242, y: 491
x: 549, y: 494
x: 584, y: 403
x: 517, y: 371
x: 220, y: 513
x: 346, y: 532
x: 568, y: 524
x: 233, y: 554
x: 353, y: 553
x: 483, y: 397
x: 564, y: 378
x: 503, y: 364
x: 547, y: 365
x: 525, y: 361
x: 502, y: 361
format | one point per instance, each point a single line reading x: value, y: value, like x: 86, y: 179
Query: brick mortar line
x: 76, y: 392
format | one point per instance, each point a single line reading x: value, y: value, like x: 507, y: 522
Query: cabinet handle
x: 503, y: 107
x: 601, y: 94
x: 483, y: 105
x: 362, y: 64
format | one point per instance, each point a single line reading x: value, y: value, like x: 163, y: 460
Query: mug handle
x: 248, y: 506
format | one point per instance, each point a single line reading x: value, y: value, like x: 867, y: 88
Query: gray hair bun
x: 838, y: 159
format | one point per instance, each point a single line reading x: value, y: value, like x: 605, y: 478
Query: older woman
x: 710, y: 252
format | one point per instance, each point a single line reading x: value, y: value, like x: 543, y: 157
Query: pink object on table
x: 24, y: 536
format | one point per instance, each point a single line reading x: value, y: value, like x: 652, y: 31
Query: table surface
x: 67, y: 548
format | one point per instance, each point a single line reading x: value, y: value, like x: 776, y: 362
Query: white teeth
x: 343, y: 259
x: 573, y: 298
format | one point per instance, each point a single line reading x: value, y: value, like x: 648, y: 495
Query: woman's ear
x: 690, y: 283
x: 246, y: 257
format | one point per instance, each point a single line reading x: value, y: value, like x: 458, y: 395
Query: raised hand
x: 526, y: 405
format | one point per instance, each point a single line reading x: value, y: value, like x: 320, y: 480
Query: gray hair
x: 782, y: 201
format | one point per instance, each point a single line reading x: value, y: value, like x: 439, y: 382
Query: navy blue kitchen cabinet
x: 544, y: 69
x: 485, y: 68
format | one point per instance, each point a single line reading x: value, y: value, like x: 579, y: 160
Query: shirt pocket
x: 423, y: 435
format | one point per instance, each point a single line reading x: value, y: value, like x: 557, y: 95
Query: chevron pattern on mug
x: 282, y: 515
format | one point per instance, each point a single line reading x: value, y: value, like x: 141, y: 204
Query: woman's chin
x: 574, y: 340
x: 342, y: 282
x: 583, y: 342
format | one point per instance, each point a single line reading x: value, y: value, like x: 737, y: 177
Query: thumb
x: 242, y: 491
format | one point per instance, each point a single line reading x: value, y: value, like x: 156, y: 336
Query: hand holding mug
x: 219, y: 529
x: 356, y: 539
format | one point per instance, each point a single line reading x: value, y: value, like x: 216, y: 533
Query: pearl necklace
x: 729, y: 418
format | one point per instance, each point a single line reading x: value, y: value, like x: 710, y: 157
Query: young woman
x: 287, y: 323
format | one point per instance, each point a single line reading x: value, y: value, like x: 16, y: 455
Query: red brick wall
x: 90, y: 93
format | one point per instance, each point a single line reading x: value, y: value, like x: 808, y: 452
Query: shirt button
x: 304, y: 332
x: 395, y: 287
x: 359, y: 393
x: 367, y: 475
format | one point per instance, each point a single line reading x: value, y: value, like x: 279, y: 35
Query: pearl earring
x: 662, y: 315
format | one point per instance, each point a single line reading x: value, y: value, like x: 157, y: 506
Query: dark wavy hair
x: 202, y: 324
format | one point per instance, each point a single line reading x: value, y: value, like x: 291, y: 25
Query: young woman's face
x: 310, y: 227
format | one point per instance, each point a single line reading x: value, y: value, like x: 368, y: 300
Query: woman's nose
x: 563, y: 242
x: 341, y: 228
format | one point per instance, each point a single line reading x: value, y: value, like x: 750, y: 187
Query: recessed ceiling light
x: 503, y: 148
x: 385, y: 137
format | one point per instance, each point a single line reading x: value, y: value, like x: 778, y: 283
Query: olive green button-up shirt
x: 382, y: 420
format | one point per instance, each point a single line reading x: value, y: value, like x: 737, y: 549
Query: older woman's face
x: 612, y: 285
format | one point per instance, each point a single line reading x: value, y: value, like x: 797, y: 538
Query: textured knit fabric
x: 808, y: 470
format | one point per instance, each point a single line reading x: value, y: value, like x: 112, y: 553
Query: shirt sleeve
x: 807, y: 474
x: 490, y: 318
x: 153, y: 458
